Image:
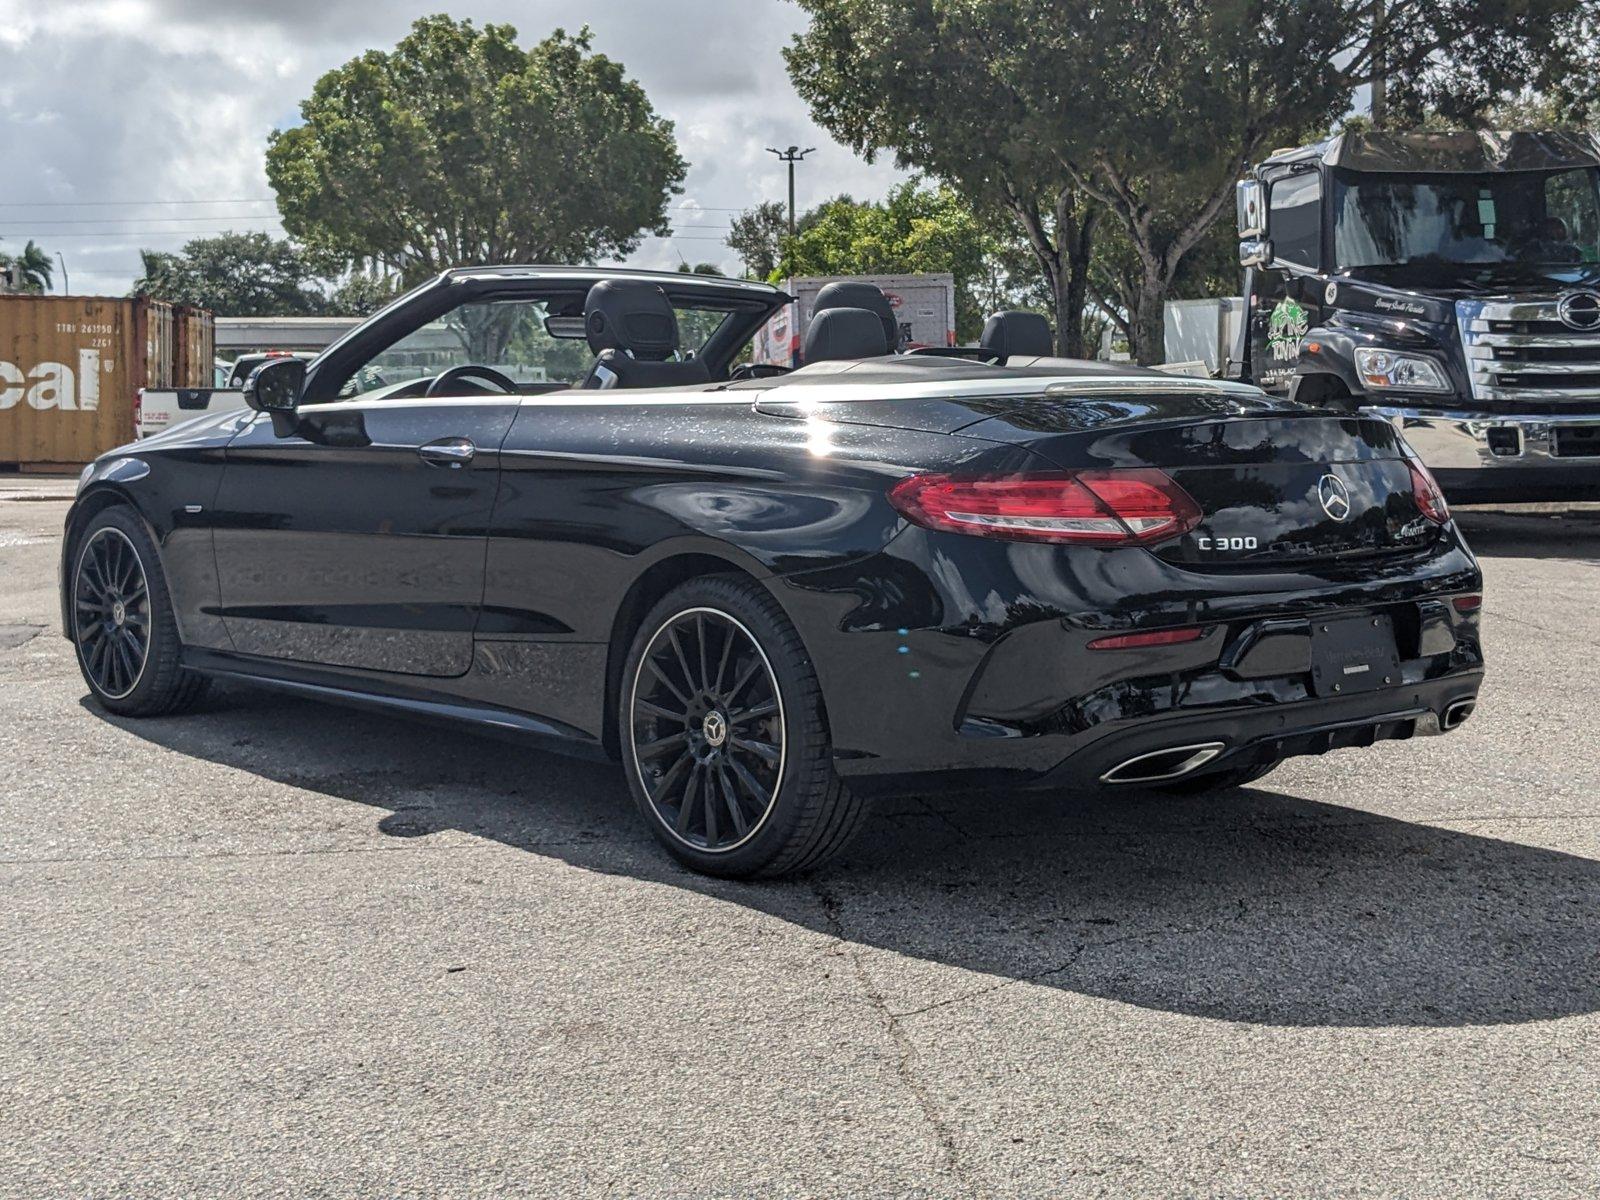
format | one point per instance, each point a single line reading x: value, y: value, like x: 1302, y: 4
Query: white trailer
x: 1203, y: 331
x: 924, y: 304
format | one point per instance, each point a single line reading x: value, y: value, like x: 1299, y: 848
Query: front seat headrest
x: 849, y: 293
x: 631, y: 315
x: 1017, y: 334
x: 837, y: 333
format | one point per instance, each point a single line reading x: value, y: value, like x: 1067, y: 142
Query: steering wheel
x: 487, y: 374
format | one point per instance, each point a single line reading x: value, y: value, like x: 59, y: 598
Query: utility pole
x: 66, y: 284
x: 791, y: 156
x: 1379, y: 66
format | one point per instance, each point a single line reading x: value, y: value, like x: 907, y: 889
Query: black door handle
x: 448, y: 452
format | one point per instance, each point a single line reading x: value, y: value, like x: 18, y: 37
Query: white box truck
x: 924, y: 304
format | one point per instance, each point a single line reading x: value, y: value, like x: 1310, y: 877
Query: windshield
x: 1525, y: 217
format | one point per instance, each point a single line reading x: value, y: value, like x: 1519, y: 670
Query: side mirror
x: 1255, y: 252
x: 1250, y: 202
x: 275, y: 386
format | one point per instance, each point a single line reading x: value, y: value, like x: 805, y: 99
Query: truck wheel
x: 724, y: 739
x: 122, y: 623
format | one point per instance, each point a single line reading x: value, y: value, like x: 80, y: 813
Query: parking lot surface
x: 274, y: 947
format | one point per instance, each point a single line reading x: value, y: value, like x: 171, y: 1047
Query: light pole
x: 791, y: 156
x: 66, y: 284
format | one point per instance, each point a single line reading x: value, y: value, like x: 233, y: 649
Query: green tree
x: 939, y: 104
x: 35, y: 268
x: 1149, y: 109
x: 363, y: 293
x: 916, y: 230
x: 459, y: 148
x: 756, y: 236
x: 235, y: 275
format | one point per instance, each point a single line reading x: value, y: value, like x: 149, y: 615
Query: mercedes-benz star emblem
x: 715, y: 728
x: 1335, y: 497
x: 1580, y: 310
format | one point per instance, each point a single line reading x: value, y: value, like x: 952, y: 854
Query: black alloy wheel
x: 708, y: 735
x: 122, y: 621
x: 111, y: 606
x: 724, y: 737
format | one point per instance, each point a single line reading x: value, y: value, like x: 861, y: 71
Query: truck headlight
x: 1408, y: 372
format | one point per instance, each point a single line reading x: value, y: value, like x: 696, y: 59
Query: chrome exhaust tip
x: 1457, y: 713
x: 1158, y: 766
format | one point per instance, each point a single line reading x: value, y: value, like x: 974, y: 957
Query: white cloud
x: 141, y: 100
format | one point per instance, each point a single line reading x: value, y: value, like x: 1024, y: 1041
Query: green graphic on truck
x: 1286, y: 330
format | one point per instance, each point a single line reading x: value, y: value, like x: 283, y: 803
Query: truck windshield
x: 1543, y: 217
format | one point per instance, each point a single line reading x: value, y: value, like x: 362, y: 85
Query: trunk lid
x: 1279, y: 484
x: 1276, y: 488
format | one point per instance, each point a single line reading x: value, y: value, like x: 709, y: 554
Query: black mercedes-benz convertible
x: 542, y: 500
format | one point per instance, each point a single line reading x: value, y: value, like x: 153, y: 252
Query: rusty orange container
x: 71, y: 368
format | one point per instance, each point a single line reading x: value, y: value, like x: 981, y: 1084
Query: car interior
x: 635, y: 332
x: 632, y: 329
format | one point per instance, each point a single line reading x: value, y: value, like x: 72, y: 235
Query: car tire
x: 121, y: 621
x: 1219, y: 781
x: 724, y: 736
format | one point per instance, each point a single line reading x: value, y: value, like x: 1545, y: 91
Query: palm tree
x: 34, y: 266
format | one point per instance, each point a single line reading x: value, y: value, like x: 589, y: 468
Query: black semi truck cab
x: 1448, y: 282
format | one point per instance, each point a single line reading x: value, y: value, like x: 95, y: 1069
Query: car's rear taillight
x: 1468, y: 604
x: 1430, y: 500
x: 1101, y: 508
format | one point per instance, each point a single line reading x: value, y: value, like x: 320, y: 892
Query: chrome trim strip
x: 1512, y: 366
x: 1459, y: 441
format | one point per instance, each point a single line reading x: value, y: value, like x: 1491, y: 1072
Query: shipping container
x: 925, y: 306
x: 71, y: 368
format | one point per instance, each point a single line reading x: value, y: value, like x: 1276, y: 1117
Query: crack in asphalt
x: 905, y: 1049
x: 1564, y: 634
x: 1071, y: 961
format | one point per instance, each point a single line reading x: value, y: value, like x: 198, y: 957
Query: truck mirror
x: 1255, y: 252
x: 1251, y: 203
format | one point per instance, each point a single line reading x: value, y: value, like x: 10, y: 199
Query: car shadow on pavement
x: 1251, y: 906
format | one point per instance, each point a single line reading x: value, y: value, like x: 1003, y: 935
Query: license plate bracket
x: 1353, y: 654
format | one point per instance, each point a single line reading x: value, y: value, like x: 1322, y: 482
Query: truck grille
x: 1522, y: 350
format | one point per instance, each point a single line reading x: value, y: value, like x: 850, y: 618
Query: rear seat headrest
x: 1017, y: 334
x: 631, y: 315
x: 838, y: 333
x: 850, y: 293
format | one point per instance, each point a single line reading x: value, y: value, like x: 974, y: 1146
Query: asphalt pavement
x: 279, y: 948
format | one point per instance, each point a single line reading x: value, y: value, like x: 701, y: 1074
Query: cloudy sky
x: 129, y: 123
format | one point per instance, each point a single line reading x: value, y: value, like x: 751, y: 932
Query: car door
x: 359, y: 539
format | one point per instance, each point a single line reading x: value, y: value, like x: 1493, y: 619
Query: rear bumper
x: 954, y: 662
x: 1475, y: 455
x: 1242, y: 733
x: 1307, y: 728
